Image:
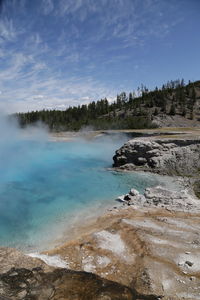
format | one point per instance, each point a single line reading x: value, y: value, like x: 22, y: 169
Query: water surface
x: 44, y: 184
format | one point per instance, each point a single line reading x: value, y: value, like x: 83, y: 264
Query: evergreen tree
x: 172, y: 111
x: 193, y: 95
x: 155, y: 111
x: 184, y: 111
x: 119, y: 102
x: 174, y: 96
x: 130, y: 98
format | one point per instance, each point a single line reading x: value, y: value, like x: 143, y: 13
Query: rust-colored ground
x: 154, y: 250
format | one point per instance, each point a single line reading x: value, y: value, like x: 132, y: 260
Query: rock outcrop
x: 161, y: 197
x: 36, y: 284
x: 163, y: 156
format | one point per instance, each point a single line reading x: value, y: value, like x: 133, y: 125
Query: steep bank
x: 169, y: 156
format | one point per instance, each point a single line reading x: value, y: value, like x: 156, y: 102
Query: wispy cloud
x: 56, y: 53
x: 7, y: 30
x: 70, y: 6
x: 56, y: 93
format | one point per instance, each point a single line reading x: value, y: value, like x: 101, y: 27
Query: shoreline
x: 79, y: 228
x: 72, y: 226
x: 111, y: 244
x: 155, y: 237
x: 159, y: 132
x: 150, y: 242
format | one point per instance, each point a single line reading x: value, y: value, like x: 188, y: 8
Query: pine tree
x: 184, y: 111
x: 155, y: 111
x: 193, y: 95
x: 172, y: 111
x: 119, y: 102
x: 130, y: 98
x: 191, y: 114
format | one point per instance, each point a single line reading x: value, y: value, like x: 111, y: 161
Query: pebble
x: 189, y: 263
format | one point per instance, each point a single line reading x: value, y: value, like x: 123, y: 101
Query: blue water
x: 43, y: 183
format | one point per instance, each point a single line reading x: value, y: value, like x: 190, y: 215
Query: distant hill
x: 175, y: 104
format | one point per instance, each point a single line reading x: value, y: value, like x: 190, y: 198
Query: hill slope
x: 175, y: 104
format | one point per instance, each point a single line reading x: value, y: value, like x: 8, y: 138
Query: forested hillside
x: 127, y: 112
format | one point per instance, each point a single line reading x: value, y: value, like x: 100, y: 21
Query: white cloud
x: 40, y: 71
x: 38, y: 96
x: 56, y: 93
x: 70, y: 6
x: 7, y: 30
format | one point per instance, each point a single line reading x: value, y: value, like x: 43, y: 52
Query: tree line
x: 129, y: 111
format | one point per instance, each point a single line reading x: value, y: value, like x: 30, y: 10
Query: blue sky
x: 56, y: 53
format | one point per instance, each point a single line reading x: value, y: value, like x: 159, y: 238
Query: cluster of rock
x: 161, y: 197
x: 163, y: 156
x: 59, y: 284
x: 38, y: 281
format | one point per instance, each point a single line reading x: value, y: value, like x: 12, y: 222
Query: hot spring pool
x: 44, y: 184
